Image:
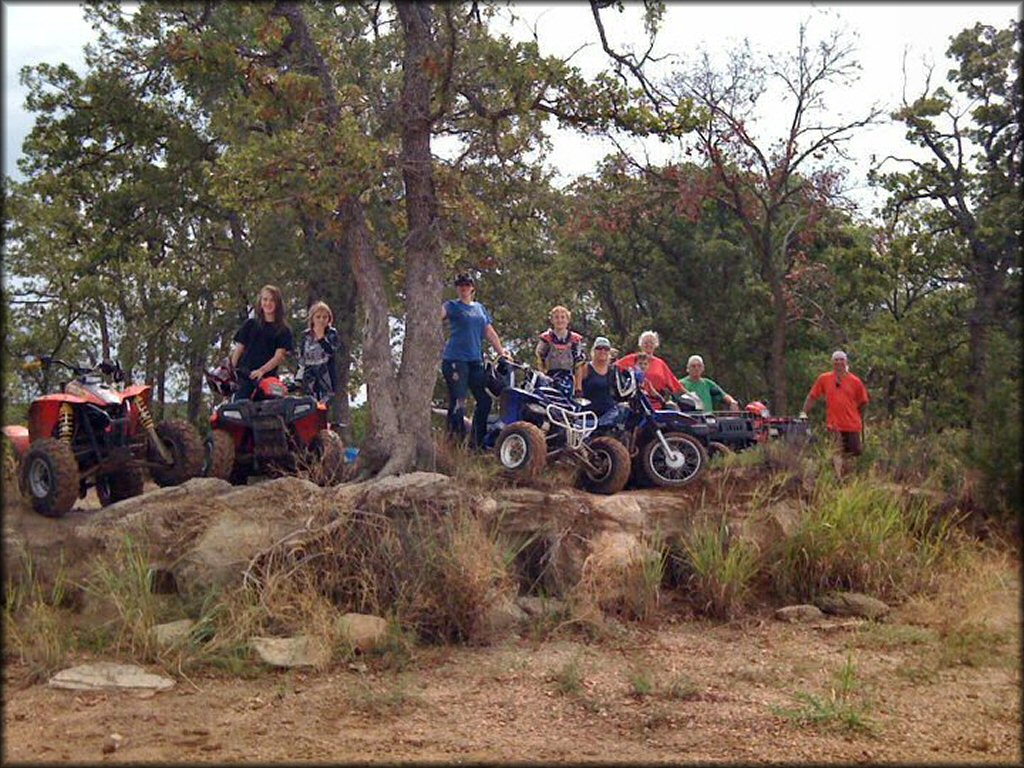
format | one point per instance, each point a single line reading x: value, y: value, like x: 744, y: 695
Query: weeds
x: 390, y: 700
x: 859, y: 537
x: 681, y: 688
x: 122, y: 580
x: 840, y: 707
x: 721, y: 571
x: 641, y: 683
x: 569, y: 677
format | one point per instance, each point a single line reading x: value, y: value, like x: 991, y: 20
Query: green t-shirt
x: 710, y: 393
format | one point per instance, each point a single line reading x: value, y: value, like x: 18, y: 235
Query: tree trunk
x: 101, y: 319
x: 381, y: 385
x: 423, y: 289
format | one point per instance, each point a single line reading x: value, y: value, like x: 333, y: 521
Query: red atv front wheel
x: 49, y: 477
x: 186, y: 449
x: 117, y: 486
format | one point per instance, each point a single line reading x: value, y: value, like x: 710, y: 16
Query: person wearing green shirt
x: 709, y: 392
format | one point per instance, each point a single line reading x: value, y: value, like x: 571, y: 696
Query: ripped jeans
x: 462, y: 378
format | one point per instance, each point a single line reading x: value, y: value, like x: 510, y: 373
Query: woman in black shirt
x: 263, y: 341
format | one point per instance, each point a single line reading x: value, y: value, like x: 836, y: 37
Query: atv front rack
x: 578, y: 425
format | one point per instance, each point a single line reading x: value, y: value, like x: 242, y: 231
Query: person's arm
x: 279, y: 355
x: 809, y: 402
x: 669, y: 379
x: 492, y: 337
x: 444, y: 310
x: 236, y: 354
x: 578, y: 376
x: 539, y: 351
x: 327, y: 343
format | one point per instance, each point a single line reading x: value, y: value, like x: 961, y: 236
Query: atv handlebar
x: 106, y: 367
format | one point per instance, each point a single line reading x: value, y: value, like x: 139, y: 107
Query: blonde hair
x: 557, y: 307
x: 315, y: 307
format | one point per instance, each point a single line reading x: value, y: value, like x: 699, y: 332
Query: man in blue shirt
x: 462, y: 362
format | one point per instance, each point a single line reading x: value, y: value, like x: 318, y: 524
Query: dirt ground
x: 683, y: 690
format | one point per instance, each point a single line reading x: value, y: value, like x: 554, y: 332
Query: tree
x: 778, y: 189
x: 970, y: 178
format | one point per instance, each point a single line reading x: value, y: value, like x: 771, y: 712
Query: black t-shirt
x: 261, y: 341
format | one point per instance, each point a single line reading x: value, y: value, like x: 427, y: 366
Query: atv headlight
x: 231, y: 414
x: 711, y: 421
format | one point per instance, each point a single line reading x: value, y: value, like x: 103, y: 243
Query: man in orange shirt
x: 845, y: 398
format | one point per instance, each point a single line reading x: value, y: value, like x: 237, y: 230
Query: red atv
x: 91, y: 434
x: 276, y: 430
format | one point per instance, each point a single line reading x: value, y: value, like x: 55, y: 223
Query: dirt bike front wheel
x: 683, y: 465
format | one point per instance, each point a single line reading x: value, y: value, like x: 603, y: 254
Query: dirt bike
x: 668, y: 447
x: 92, y: 434
x: 277, y: 429
x: 538, y: 423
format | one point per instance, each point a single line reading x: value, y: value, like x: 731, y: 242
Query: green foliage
x: 858, y: 536
x: 840, y: 707
x: 569, y: 677
x: 721, y: 569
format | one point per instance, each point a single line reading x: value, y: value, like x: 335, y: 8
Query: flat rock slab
x: 853, y: 604
x: 300, y: 651
x: 101, y: 675
x: 797, y: 613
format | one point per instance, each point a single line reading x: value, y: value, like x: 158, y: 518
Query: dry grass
x: 436, y: 569
x: 624, y: 582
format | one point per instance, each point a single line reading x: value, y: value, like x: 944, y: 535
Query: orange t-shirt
x: 843, y: 399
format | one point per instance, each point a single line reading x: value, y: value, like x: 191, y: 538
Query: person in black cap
x: 462, y: 362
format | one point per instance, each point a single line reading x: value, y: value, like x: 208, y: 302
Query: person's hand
x: 506, y: 354
x: 257, y: 374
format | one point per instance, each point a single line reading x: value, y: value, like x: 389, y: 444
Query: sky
x: 37, y: 32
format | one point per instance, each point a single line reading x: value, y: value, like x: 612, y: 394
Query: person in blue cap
x: 462, y: 362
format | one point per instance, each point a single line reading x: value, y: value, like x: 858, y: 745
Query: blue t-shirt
x: 467, y: 323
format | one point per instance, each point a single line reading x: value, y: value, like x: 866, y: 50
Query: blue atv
x: 538, y: 421
x: 668, y: 448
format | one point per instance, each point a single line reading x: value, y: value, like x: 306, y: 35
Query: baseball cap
x: 464, y: 278
x: 838, y: 355
x: 601, y: 342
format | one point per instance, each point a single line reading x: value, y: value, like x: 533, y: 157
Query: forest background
x: 363, y: 153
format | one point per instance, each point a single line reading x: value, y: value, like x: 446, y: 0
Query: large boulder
x: 161, y: 519
x: 242, y: 524
x: 361, y: 631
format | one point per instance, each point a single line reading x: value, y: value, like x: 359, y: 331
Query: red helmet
x: 758, y: 408
x: 222, y: 379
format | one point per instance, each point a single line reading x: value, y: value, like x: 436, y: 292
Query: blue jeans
x: 462, y: 378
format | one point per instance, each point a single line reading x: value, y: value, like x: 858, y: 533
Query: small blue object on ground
x: 350, y: 455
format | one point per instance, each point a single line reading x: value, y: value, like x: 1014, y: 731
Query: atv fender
x: 135, y: 390
x: 18, y: 436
